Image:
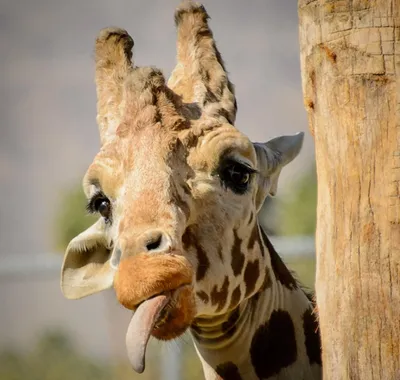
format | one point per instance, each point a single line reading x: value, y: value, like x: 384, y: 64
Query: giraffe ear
x: 86, y: 268
x: 272, y: 156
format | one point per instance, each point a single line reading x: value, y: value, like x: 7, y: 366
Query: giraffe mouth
x: 164, y: 316
x: 140, y: 328
x: 159, y: 289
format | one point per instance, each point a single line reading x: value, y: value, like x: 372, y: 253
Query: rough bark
x: 350, y: 62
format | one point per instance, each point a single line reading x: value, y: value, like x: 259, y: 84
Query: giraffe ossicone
x: 177, y: 188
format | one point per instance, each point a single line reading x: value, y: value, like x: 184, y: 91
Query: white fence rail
x: 41, y: 264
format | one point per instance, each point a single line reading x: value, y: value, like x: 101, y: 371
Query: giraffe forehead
x: 140, y: 154
x: 151, y: 152
x: 212, y: 143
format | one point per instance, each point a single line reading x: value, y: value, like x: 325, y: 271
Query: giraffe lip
x: 144, y: 276
x: 168, y: 293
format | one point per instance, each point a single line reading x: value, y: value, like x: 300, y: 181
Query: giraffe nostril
x: 154, y: 242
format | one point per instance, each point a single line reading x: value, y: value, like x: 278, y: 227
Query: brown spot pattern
x: 228, y: 371
x: 203, y: 296
x: 219, y: 297
x: 251, y: 275
x: 312, y: 337
x: 226, y: 114
x: 282, y: 273
x: 274, y: 345
x: 189, y: 240
x: 235, y: 298
x: 237, y: 255
x: 255, y: 236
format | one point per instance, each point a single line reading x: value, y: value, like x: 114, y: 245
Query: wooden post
x: 350, y: 62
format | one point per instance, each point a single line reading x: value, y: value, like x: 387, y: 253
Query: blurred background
x: 48, y: 137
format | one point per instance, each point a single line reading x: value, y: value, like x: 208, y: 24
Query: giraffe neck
x: 271, y: 335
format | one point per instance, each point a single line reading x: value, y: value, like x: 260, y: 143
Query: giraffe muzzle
x: 145, y: 275
x: 158, y: 287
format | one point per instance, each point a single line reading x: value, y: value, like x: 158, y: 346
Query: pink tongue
x: 140, y: 328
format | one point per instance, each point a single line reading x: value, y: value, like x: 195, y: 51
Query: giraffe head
x: 177, y: 188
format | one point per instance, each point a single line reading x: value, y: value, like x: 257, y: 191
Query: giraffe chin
x: 165, y: 316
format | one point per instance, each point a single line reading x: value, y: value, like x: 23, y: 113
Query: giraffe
x: 177, y: 188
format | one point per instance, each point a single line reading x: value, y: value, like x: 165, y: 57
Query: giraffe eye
x: 236, y: 176
x: 103, y: 207
x: 101, y: 204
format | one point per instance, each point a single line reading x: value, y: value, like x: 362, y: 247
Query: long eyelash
x: 90, y: 206
x: 249, y: 169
